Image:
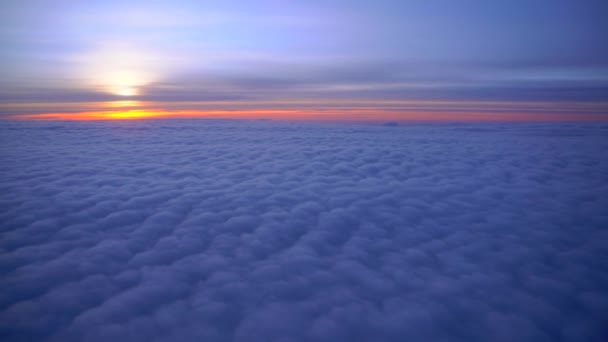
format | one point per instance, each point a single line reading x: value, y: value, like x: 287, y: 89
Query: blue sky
x: 264, y: 55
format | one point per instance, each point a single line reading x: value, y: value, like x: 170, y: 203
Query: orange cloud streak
x: 323, y: 115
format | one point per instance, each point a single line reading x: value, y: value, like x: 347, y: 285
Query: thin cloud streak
x: 312, y: 109
x: 357, y: 114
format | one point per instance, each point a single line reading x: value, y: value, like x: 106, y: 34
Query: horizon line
x: 314, y: 115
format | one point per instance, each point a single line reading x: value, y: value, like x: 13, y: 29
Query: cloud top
x: 180, y: 230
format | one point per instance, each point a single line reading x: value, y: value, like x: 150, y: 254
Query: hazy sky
x: 366, y: 58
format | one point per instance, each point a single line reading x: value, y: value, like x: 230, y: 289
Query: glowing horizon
x: 308, y: 115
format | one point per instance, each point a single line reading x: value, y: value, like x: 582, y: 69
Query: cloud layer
x: 179, y: 230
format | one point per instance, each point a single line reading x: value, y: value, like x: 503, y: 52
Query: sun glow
x: 123, y: 104
x: 121, y: 69
x: 316, y: 115
x: 124, y: 83
x: 125, y: 91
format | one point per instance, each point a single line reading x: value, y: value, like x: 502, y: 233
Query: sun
x: 125, y: 91
x: 124, y: 83
x: 120, y: 69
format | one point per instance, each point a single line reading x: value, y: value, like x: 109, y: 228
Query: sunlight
x: 124, y: 91
x: 121, y: 104
x: 132, y: 114
x: 315, y: 115
x: 124, y: 83
x: 120, y: 69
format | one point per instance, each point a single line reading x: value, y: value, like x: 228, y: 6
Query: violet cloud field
x: 203, y: 230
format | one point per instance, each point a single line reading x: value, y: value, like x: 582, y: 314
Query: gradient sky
x: 336, y: 59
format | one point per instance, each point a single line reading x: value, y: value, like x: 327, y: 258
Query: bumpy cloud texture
x: 260, y: 231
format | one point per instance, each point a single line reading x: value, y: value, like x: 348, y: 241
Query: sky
x: 371, y: 60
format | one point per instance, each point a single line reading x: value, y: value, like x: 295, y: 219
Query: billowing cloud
x: 190, y: 230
